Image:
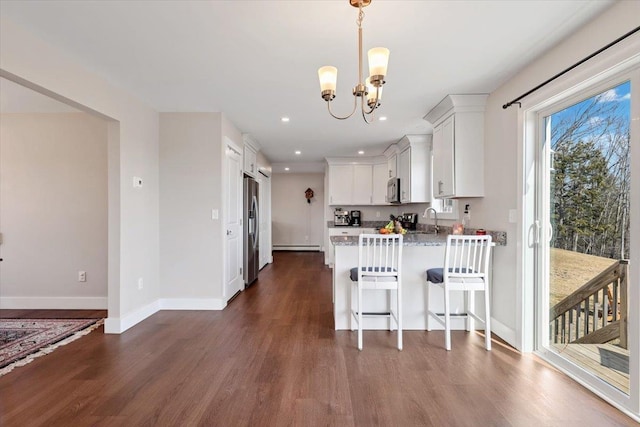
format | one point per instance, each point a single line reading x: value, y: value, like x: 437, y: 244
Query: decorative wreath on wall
x: 308, y: 194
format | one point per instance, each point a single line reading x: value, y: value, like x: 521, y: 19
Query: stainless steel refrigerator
x: 250, y: 225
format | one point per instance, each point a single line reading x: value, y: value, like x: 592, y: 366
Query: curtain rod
x: 566, y: 70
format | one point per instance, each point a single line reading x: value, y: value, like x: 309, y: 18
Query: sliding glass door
x: 585, y: 218
x: 584, y: 235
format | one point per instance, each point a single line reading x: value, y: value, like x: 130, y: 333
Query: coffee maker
x: 355, y: 219
x: 409, y: 221
x: 341, y: 217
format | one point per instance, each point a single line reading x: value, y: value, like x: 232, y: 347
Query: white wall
x: 189, y: 239
x: 53, y: 210
x: 132, y: 151
x: 191, y: 243
x: 294, y: 221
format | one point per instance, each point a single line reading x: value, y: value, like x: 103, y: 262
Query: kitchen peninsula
x: 420, y: 252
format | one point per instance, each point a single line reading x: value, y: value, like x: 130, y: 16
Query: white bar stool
x: 379, y: 267
x: 466, y: 268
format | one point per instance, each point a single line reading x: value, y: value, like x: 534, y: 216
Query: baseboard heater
x: 312, y: 248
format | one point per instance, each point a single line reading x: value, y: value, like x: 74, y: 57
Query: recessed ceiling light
x: 286, y: 169
x: 284, y: 119
x: 360, y: 152
x: 298, y: 152
x: 383, y: 118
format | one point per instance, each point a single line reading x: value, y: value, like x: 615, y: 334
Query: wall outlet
x: 140, y: 283
x: 137, y: 182
x: 513, y: 216
x: 306, y: 238
x: 377, y: 214
x: 215, y: 214
x: 82, y: 276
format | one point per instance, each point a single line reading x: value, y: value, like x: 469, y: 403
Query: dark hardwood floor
x: 272, y: 358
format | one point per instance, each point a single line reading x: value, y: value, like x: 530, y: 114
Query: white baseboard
x: 315, y: 248
x: 54, y: 303
x: 504, y: 332
x: 192, y: 304
x: 117, y: 325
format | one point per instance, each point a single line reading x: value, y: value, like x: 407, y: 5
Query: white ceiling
x: 257, y: 61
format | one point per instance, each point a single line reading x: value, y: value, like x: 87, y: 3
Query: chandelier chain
x: 360, y: 14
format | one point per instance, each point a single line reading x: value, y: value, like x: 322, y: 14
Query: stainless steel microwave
x: 393, y: 190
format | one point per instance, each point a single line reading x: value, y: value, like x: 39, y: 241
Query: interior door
x: 233, y: 222
x: 264, y: 186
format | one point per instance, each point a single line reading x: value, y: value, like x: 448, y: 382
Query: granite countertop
x: 499, y: 237
x: 410, y: 239
x: 413, y: 239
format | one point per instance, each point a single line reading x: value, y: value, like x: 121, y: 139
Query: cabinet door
x: 443, y: 159
x: 392, y: 167
x: 380, y: 179
x: 362, y: 184
x: 250, y: 166
x: 340, y: 184
x: 404, y: 172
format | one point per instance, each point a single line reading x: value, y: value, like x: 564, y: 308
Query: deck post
x: 624, y: 306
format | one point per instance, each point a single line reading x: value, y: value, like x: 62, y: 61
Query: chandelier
x: 371, y: 89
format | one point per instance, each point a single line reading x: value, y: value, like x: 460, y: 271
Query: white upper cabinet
x: 349, y: 183
x: 380, y: 179
x: 250, y: 162
x: 414, y: 168
x: 340, y: 184
x: 391, y: 154
x: 458, y: 146
x: 404, y: 161
x: 362, y: 185
x: 392, y: 166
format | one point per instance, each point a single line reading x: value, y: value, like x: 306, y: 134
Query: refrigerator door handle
x: 254, y: 207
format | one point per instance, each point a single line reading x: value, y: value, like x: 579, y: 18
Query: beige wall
x: 191, y: 243
x: 294, y: 221
x: 53, y: 210
x: 132, y: 151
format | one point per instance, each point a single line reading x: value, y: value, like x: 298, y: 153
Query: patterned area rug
x: 22, y: 340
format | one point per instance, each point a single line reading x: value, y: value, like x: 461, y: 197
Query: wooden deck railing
x: 596, y: 312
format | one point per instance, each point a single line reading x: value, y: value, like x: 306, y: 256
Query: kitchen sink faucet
x: 435, y: 217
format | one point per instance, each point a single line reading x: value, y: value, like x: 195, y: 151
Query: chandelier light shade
x: 374, y: 95
x: 378, y: 62
x: 369, y: 91
x: 328, y: 79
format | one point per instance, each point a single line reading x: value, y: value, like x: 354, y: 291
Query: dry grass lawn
x: 570, y: 270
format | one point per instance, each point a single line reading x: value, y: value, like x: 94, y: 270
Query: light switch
x: 513, y: 216
x: 214, y: 214
x: 137, y: 181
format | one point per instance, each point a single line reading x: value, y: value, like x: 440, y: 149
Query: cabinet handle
x: 440, y: 187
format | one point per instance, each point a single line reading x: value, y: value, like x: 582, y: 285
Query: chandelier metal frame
x: 363, y: 90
